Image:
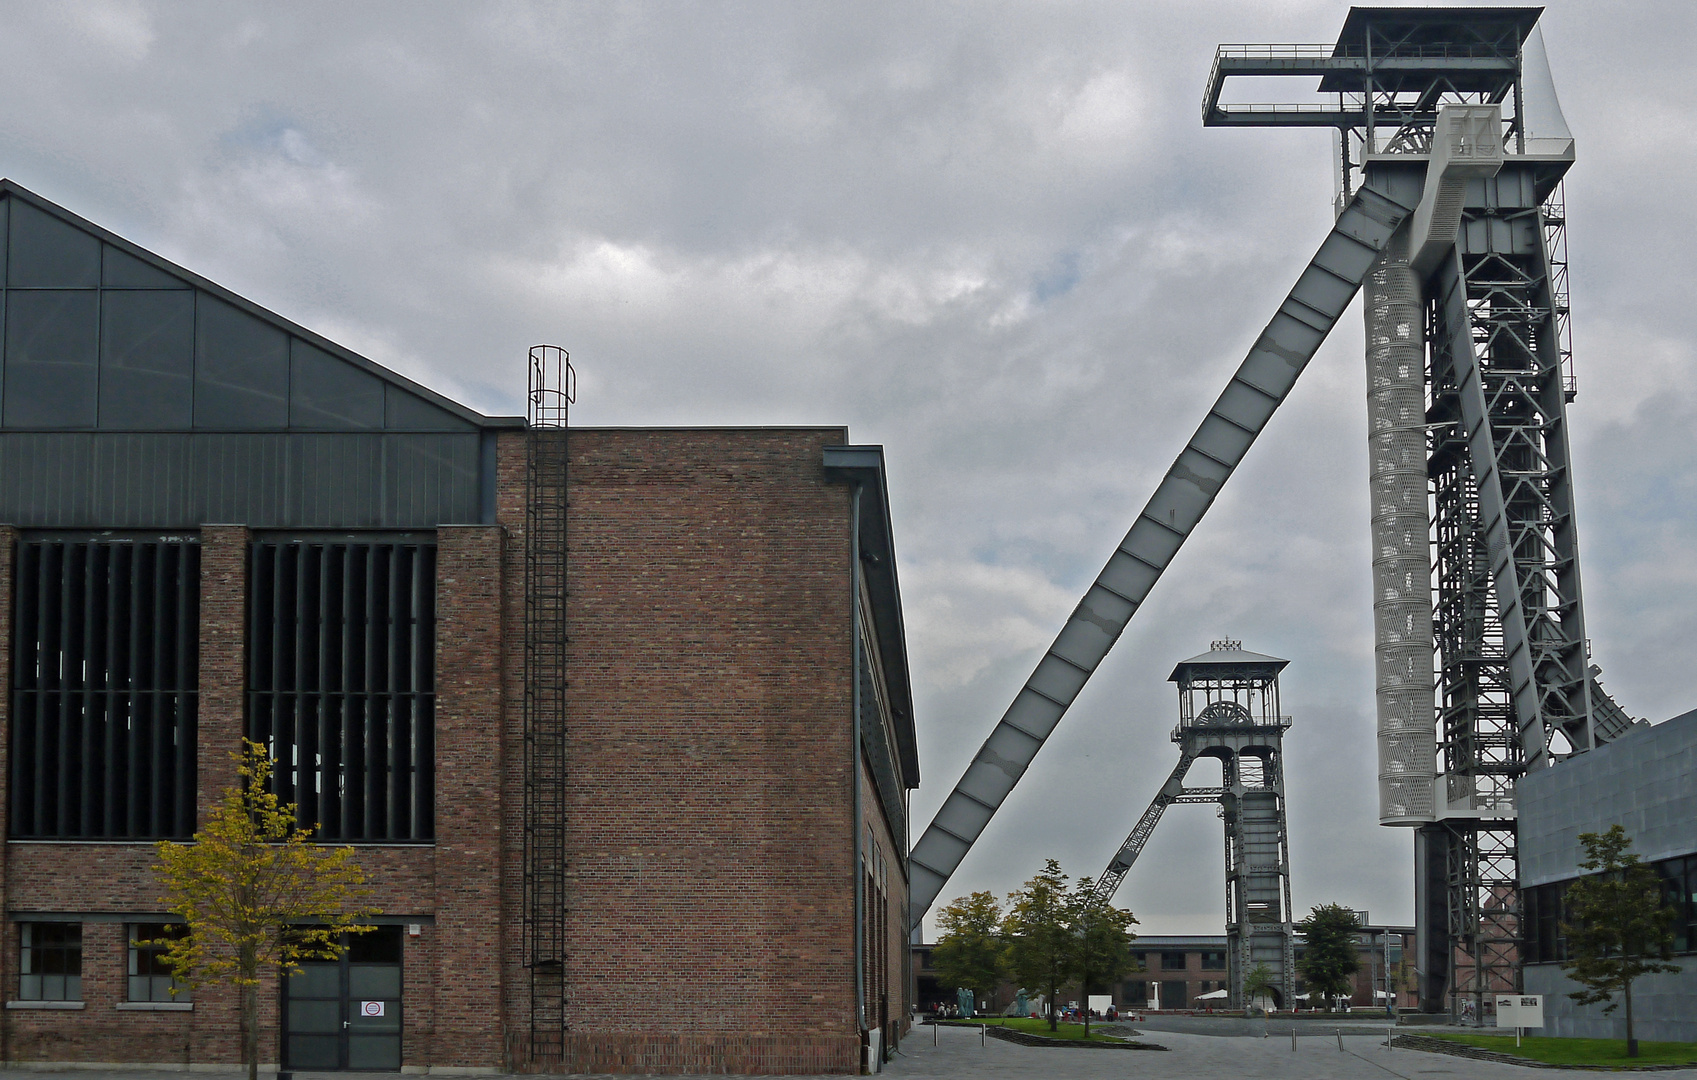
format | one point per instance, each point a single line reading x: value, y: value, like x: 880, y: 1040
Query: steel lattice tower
x: 1482, y: 663
x: 1450, y: 153
x: 1228, y: 702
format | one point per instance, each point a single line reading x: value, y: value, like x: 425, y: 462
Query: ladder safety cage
x: 552, y: 390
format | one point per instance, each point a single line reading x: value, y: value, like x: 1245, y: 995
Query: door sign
x: 371, y: 1008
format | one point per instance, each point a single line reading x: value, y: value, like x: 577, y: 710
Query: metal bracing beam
x: 1325, y: 287
x: 1173, y: 791
x: 1500, y: 331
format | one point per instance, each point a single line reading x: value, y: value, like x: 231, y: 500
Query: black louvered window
x: 341, y: 682
x: 106, y: 634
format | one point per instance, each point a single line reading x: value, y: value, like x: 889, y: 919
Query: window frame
x: 135, y: 954
x: 32, y: 953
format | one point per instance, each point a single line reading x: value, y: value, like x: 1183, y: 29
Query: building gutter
x: 854, y: 779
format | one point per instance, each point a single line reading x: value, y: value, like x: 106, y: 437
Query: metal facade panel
x: 178, y: 480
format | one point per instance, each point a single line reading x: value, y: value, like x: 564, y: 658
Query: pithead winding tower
x: 1450, y: 153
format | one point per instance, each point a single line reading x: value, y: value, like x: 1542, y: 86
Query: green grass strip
x: 1553, y: 1051
x: 1036, y: 1026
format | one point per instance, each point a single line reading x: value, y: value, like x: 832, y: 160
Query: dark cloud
x: 994, y: 238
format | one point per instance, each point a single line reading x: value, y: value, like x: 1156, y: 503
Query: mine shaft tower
x: 1228, y: 709
x: 1469, y: 373
x: 1450, y: 150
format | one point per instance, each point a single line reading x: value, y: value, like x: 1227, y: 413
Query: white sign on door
x: 371, y: 1008
x: 1520, y: 1010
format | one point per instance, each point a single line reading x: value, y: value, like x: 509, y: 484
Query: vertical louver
x: 106, y: 637
x: 341, y: 682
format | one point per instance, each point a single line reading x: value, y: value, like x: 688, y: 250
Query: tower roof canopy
x: 1227, y: 663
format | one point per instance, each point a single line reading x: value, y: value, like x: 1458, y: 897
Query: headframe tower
x: 1469, y: 373
x: 1450, y: 152
x: 1228, y: 710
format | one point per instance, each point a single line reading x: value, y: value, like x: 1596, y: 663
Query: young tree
x: 970, y: 951
x: 1621, y: 928
x: 1039, y: 938
x: 1102, y: 937
x: 255, y: 894
x: 1331, y: 955
x: 1258, y: 982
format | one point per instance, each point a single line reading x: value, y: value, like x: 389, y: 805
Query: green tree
x: 1258, y: 982
x: 255, y: 894
x: 1039, y: 939
x: 1621, y: 927
x: 1331, y: 954
x: 1102, y: 937
x: 970, y: 951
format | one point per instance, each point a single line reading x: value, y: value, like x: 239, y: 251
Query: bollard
x: 1340, y: 1040
x: 1293, y: 1039
x: 981, y: 1028
x: 935, y: 1026
x: 1390, y: 1033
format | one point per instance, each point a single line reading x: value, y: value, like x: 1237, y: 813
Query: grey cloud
x: 994, y: 238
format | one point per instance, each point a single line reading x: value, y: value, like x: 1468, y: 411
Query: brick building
x: 1174, y: 972
x: 218, y: 524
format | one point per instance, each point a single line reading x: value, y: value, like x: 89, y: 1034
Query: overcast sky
x: 994, y: 238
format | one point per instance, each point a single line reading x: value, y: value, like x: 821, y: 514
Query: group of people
x: 1074, y: 1015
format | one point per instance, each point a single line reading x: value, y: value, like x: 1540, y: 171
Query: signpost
x: 1520, y: 1011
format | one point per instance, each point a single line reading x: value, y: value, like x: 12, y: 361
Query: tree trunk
x: 1631, y: 1042
x: 1084, y: 992
x: 1054, y: 1007
x: 250, y: 1029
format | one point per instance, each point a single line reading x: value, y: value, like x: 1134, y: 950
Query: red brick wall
x: 464, y: 982
x: 8, y: 553
x: 710, y: 712
x: 711, y: 781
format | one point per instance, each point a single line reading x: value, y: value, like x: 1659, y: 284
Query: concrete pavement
x: 1193, y: 1056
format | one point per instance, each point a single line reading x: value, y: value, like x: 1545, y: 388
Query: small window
x: 150, y: 979
x: 49, y: 961
x: 1213, y: 961
x: 1172, y: 961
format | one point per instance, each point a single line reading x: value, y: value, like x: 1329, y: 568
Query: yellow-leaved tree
x: 256, y: 894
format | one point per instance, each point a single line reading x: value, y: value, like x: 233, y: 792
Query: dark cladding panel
x: 355, y: 501
x: 242, y: 374
x: 47, y: 253
x: 327, y: 392
x: 50, y: 358
x: 122, y: 271
x: 144, y: 478
x: 146, y: 359
x: 405, y: 411
x: 426, y: 471
x: 74, y: 480
x: 241, y: 478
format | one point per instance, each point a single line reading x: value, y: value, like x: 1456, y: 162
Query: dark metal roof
x: 1222, y: 663
x: 1425, y: 29
x: 400, y: 404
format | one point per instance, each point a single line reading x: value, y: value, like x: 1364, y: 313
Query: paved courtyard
x: 1190, y: 1056
x: 1205, y: 1057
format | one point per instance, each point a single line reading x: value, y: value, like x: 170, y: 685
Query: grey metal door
x: 346, y: 1014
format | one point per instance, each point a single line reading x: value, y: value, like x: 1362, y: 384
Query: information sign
x: 1520, y: 1010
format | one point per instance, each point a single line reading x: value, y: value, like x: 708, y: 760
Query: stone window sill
x: 44, y: 1004
x: 155, y: 1006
